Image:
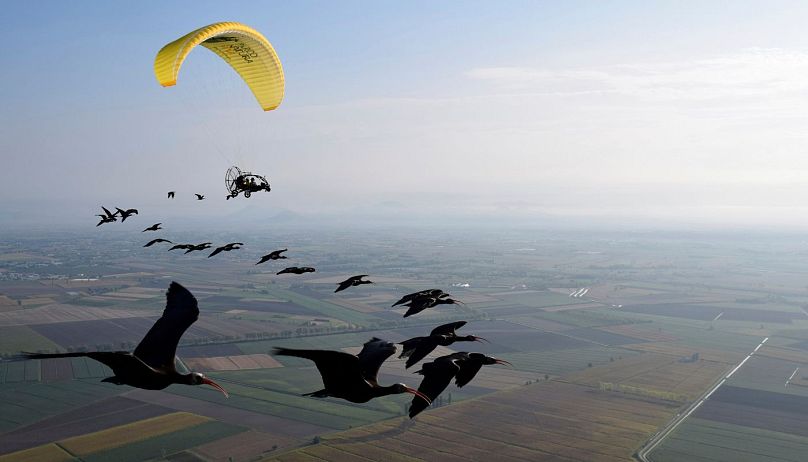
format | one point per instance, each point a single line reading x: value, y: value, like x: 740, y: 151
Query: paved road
x: 651, y: 444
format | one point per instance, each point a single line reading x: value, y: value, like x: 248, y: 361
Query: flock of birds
x: 152, y: 365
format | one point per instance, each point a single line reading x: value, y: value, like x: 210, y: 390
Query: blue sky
x: 683, y: 111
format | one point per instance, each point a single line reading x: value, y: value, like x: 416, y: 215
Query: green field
x: 700, y: 440
x: 161, y: 446
x: 14, y: 339
x: 23, y: 403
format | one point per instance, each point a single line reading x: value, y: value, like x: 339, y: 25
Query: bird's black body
x: 181, y: 247
x: 171, y: 194
x: 152, y: 365
x: 417, y: 348
x: 155, y: 241
x: 226, y: 248
x: 125, y: 213
x: 439, y: 373
x: 351, y: 282
x: 107, y: 217
x: 197, y: 247
x: 296, y: 270
x: 420, y: 303
x: 199, y: 197
x: 409, y: 297
x: 275, y: 255
x: 351, y: 377
x: 153, y: 227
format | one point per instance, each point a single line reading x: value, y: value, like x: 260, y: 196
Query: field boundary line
x: 643, y: 453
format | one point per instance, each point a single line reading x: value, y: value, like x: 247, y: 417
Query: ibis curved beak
x: 418, y: 394
x: 502, y: 361
x: 215, y: 385
x: 480, y: 339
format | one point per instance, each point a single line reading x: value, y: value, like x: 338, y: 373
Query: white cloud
x: 750, y: 73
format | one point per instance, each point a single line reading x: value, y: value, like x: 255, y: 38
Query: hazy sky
x: 669, y: 112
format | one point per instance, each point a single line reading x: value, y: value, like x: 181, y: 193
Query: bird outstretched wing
x: 448, y: 329
x: 373, y: 354
x: 437, y: 376
x: 424, y: 347
x: 159, y: 347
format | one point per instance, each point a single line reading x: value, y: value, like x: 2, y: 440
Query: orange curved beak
x: 215, y: 385
x: 502, y: 361
x: 418, y: 394
x: 480, y: 339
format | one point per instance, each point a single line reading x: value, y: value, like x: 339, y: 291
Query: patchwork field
x: 536, y: 422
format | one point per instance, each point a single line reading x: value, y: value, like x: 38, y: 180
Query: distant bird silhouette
x: 171, y: 194
x: 125, y: 213
x: 428, y: 292
x: 296, y: 270
x: 181, y: 246
x: 276, y: 255
x: 226, y: 248
x: 198, y: 247
x: 199, y: 197
x: 352, y: 281
x: 152, y: 365
x: 155, y: 241
x: 108, y: 217
x: 153, y: 227
x: 439, y: 373
x: 417, y: 348
x: 352, y: 377
x: 418, y: 304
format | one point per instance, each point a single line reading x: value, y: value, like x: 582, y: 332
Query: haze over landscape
x: 680, y: 113
x: 541, y: 231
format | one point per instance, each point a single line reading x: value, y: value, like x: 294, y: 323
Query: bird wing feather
x: 159, y: 347
x: 374, y: 352
x: 448, y: 329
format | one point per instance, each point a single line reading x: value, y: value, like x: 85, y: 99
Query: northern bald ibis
x: 125, y: 213
x: 416, y: 349
x: 418, y: 304
x: 275, y: 255
x: 296, y: 270
x: 153, y: 227
x: 155, y: 241
x: 226, y: 248
x: 409, y: 297
x: 152, y: 365
x: 199, y: 197
x: 108, y: 217
x: 353, y: 377
x: 352, y: 281
x: 439, y: 373
x: 171, y: 194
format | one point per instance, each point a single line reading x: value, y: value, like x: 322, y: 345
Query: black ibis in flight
x: 197, y: 247
x: 416, y: 349
x: 409, y: 297
x: 418, y: 304
x: 153, y: 227
x: 155, y: 241
x: 353, y: 377
x: 108, y: 217
x: 226, y: 248
x: 152, y: 365
x: 275, y: 255
x: 439, y: 373
x: 171, y: 194
x: 125, y: 213
x: 296, y: 270
x: 199, y: 197
x: 352, y: 281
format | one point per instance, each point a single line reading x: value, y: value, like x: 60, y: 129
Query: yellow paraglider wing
x: 243, y: 47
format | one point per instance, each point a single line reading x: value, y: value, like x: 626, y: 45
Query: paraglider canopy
x: 241, y: 46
